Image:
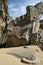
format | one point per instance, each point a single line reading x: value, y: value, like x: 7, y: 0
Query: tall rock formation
x: 21, y: 27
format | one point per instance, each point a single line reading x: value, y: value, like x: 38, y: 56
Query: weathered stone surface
x: 22, y: 26
x: 41, y: 24
x: 39, y: 7
x: 3, y: 18
x: 13, y: 41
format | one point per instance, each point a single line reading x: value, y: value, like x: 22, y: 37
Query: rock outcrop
x: 20, y: 29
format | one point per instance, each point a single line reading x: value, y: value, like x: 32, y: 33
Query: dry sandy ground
x: 8, y: 59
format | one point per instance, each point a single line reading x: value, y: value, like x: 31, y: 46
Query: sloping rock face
x: 14, y: 41
x: 18, y: 31
x: 3, y: 18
